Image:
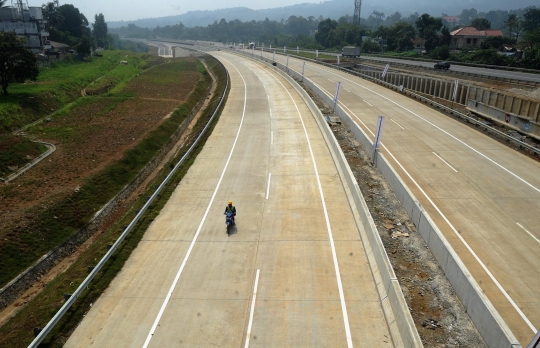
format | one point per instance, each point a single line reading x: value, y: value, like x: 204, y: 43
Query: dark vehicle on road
x: 442, y: 65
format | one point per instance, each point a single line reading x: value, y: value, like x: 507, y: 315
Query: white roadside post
x: 378, y: 135
x: 297, y: 50
x: 338, y: 59
x: 274, y: 56
x: 303, y: 70
x: 270, y: 47
x: 454, y: 95
x: 287, y: 63
x: 262, y: 49
x: 385, y: 71
x: 316, y: 54
x: 336, y: 96
x: 284, y: 49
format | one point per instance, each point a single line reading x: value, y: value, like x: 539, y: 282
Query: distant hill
x: 332, y: 9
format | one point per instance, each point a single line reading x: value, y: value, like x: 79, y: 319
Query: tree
x: 532, y: 38
x: 100, y: 30
x: 52, y: 14
x: 325, y: 27
x: 467, y: 16
x: 17, y: 63
x: 400, y: 37
x: 428, y: 28
x: 74, y: 21
x: 531, y: 19
x: 84, y: 46
x: 514, y: 25
x: 481, y: 24
x: 496, y: 42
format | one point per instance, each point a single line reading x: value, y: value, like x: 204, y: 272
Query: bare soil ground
x: 90, y: 136
x: 439, y: 316
x: 33, y: 291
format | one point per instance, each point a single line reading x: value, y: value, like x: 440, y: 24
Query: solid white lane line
x: 524, y: 229
x: 400, y: 126
x: 367, y: 103
x: 268, y: 187
x: 173, y: 286
x: 476, y: 257
x: 473, y: 253
x: 442, y: 130
x: 445, y: 162
x: 329, y: 228
x: 250, y: 323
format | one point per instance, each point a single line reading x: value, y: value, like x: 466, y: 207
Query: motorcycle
x: 229, y: 220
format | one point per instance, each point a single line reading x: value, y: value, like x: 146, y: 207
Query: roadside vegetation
x: 61, y: 83
x: 18, y: 331
x: 16, y: 151
x: 103, y: 142
x: 393, y: 35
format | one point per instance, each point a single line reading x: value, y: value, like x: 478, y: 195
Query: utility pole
x: 357, y: 8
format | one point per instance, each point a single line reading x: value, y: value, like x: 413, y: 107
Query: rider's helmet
x: 230, y: 202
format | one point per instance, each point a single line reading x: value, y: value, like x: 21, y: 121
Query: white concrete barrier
x: 398, y: 316
x: 489, y: 323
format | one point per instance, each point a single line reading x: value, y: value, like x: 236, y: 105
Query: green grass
x: 18, y: 331
x: 62, y: 82
x: 17, y: 151
x: 62, y: 220
x: 312, y: 55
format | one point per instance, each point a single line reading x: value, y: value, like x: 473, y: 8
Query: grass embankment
x: 312, y: 55
x: 18, y: 331
x: 62, y: 82
x: 24, y: 245
x: 16, y: 151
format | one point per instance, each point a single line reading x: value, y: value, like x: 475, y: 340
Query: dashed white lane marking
x: 400, y: 126
x: 445, y: 162
x: 250, y: 323
x: 367, y: 103
x: 469, y: 248
x: 524, y: 229
x: 473, y: 253
x: 173, y: 286
x: 329, y: 228
x: 442, y: 130
x: 268, y: 187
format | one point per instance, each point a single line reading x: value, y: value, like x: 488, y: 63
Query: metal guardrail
x: 438, y: 105
x: 52, y: 323
x: 485, y: 66
x: 535, y: 343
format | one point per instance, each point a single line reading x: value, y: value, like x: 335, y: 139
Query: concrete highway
x: 515, y: 75
x: 293, y: 274
x: 484, y: 196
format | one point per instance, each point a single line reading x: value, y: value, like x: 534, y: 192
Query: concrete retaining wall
x: 519, y: 123
x: 441, y: 88
x: 489, y: 323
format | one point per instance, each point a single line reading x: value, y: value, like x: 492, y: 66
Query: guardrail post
x: 37, y: 330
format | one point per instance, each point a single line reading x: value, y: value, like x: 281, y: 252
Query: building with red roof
x: 470, y: 36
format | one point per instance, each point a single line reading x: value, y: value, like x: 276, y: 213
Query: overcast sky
x: 115, y: 10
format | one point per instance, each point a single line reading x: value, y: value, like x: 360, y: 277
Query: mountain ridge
x: 328, y: 9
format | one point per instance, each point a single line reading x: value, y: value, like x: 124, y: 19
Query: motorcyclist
x: 230, y: 209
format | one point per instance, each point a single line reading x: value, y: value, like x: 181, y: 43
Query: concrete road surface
x: 515, y: 75
x: 484, y: 196
x: 296, y: 242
